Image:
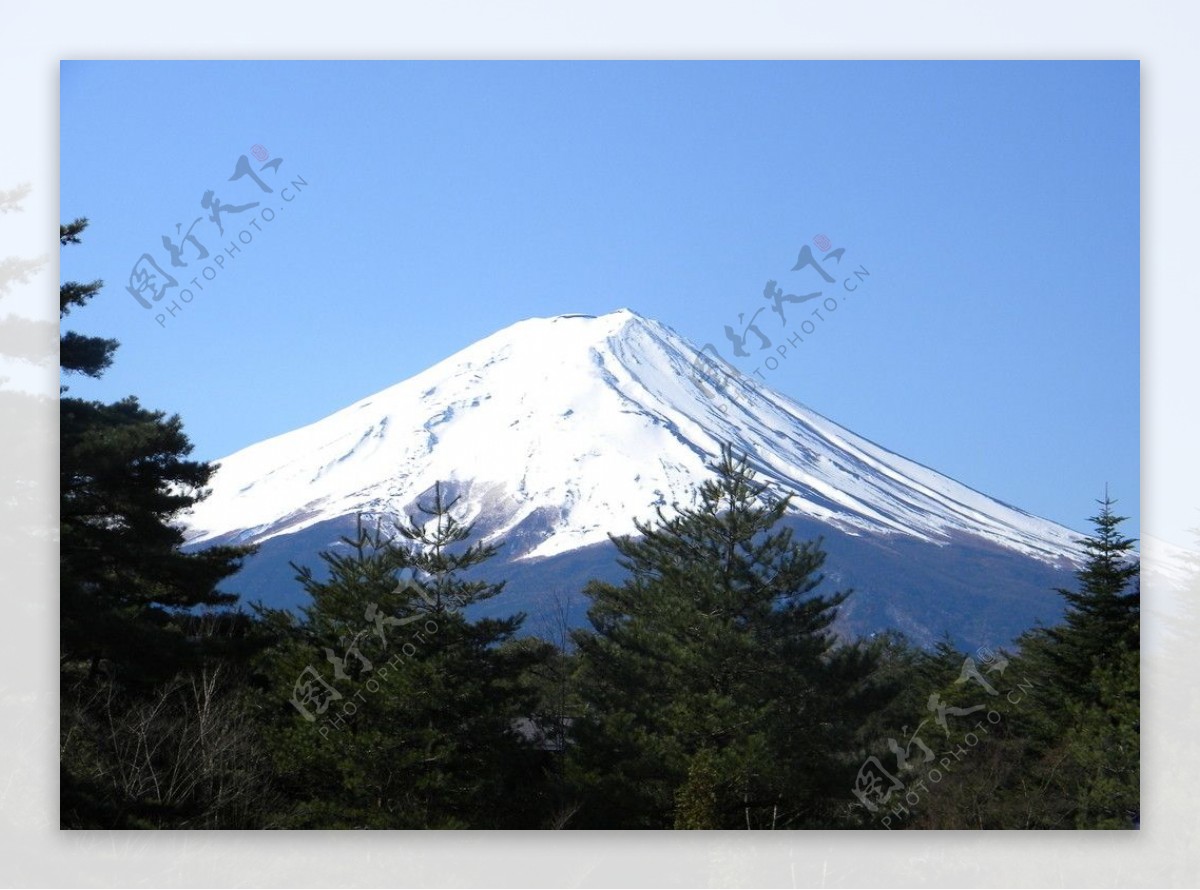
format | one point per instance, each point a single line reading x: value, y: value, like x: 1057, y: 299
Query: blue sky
x: 996, y: 206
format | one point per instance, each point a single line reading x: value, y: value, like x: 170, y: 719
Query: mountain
x: 556, y: 432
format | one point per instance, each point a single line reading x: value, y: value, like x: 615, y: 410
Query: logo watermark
x: 875, y: 786
x: 149, y: 282
x: 707, y: 370
x: 313, y: 694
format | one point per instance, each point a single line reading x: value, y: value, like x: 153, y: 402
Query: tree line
x: 707, y: 689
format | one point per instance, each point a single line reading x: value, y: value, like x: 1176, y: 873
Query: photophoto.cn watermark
x: 875, y: 785
x: 314, y: 696
x: 214, y: 240
x: 797, y: 319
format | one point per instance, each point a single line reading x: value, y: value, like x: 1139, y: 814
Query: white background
x: 33, y: 852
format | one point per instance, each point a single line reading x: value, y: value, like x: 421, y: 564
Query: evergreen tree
x: 79, y: 354
x: 1104, y: 746
x: 1091, y: 661
x: 713, y: 691
x: 1067, y: 755
x: 415, y: 724
x: 1102, y: 618
x: 149, y: 688
x: 124, y: 475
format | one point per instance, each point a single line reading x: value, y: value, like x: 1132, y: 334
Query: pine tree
x: 124, y: 476
x: 1104, y: 746
x: 1070, y: 752
x: 148, y: 685
x: 414, y: 725
x: 715, y: 658
x: 1103, y: 615
x: 79, y: 354
x: 1092, y: 659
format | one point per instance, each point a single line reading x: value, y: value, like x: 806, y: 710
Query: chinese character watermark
x: 875, y: 785
x: 709, y: 370
x: 313, y: 693
x: 150, y: 283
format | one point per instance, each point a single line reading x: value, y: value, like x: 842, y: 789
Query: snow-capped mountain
x: 558, y: 431
x: 555, y: 432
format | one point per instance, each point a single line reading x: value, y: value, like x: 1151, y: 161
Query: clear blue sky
x: 996, y: 206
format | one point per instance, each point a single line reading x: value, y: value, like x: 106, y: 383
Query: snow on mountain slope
x: 575, y: 425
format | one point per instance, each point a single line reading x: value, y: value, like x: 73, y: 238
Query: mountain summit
x: 558, y: 431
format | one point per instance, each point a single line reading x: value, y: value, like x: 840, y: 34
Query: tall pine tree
x: 147, y: 685
x: 1103, y: 615
x: 124, y: 475
x: 1093, y: 659
x: 1070, y: 752
x: 714, y: 693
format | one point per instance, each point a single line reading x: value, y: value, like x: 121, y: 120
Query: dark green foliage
x: 1066, y: 752
x: 123, y: 476
x: 715, y: 659
x: 696, y: 799
x: 1090, y: 665
x: 146, y: 690
x: 1102, y: 618
x: 1096, y: 661
x: 79, y: 354
x: 1104, y: 746
x: 426, y: 732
